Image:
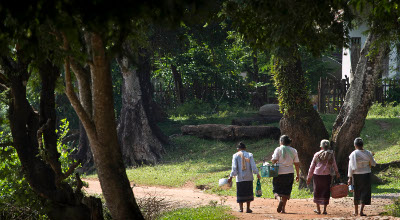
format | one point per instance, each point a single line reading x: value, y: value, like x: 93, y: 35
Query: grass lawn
x: 205, y: 212
x: 204, y: 162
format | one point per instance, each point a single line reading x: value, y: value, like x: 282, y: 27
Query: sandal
x: 240, y: 210
x: 325, y: 213
x: 317, y: 212
x: 362, y: 214
x: 249, y: 211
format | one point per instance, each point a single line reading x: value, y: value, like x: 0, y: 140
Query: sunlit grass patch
x: 391, y: 176
x: 204, y: 212
x: 193, y: 159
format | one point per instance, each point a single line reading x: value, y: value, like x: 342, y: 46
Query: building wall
x: 346, y: 63
x: 394, y: 56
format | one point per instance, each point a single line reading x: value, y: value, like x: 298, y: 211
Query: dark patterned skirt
x: 322, y: 189
x: 362, y: 188
x: 282, y: 185
x: 244, y: 191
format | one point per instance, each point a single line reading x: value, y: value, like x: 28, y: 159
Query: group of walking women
x: 322, y: 169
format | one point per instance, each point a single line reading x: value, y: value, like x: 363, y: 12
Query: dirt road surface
x: 263, y: 208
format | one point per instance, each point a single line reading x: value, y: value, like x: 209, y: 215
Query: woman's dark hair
x: 240, y: 145
x: 285, y: 140
x: 358, y: 142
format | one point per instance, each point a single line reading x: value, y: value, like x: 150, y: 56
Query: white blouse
x: 360, y: 162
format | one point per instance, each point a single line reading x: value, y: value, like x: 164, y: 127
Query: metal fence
x: 332, y: 93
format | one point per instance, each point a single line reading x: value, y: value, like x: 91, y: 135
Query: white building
x: 358, y: 37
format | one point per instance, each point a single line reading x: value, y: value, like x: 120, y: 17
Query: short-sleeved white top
x: 285, y: 164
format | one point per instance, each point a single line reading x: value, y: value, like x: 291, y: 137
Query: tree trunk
x: 35, y: 140
x: 153, y: 111
x: 102, y: 132
x: 300, y: 121
x: 351, y: 118
x: 178, y: 84
x: 84, y: 153
x: 140, y: 145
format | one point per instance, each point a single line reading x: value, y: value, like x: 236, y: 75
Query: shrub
x: 391, y: 110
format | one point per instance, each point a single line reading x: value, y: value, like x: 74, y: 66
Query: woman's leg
x: 362, y: 210
x: 355, y: 209
x: 318, y: 210
x: 325, y: 205
x: 248, y: 208
x: 284, y: 200
x: 240, y: 206
x: 280, y: 205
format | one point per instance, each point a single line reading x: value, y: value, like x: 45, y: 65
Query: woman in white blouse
x: 359, y: 174
x: 285, y: 156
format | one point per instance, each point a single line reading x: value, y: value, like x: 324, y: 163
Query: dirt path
x: 262, y: 208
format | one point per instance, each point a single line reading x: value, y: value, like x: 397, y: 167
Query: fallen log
x: 231, y: 132
x: 382, y: 166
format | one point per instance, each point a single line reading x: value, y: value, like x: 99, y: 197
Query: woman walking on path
x: 359, y: 174
x: 243, y: 167
x: 321, y: 166
x: 285, y: 156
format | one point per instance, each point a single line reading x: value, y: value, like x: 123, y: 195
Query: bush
x: 17, y: 199
x: 391, y: 110
x: 193, y: 107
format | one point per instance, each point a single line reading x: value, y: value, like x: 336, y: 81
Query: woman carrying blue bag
x: 243, y: 167
x: 285, y: 156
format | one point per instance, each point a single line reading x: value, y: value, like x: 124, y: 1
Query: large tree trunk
x: 351, y: 118
x: 178, y: 84
x: 35, y: 140
x: 102, y: 131
x: 140, y: 145
x: 153, y: 110
x: 300, y: 121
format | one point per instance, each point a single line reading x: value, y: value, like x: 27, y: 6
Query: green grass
x: 193, y: 159
x: 204, y: 212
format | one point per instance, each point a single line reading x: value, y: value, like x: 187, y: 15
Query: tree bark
x: 178, y: 84
x: 153, y: 111
x: 351, y: 118
x: 300, y: 121
x: 140, y: 145
x: 84, y: 153
x: 36, y: 143
x: 102, y: 132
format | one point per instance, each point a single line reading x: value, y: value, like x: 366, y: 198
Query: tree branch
x: 78, y: 69
x: 76, y: 104
x: 79, y: 183
x: 71, y: 169
x: 55, y: 166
